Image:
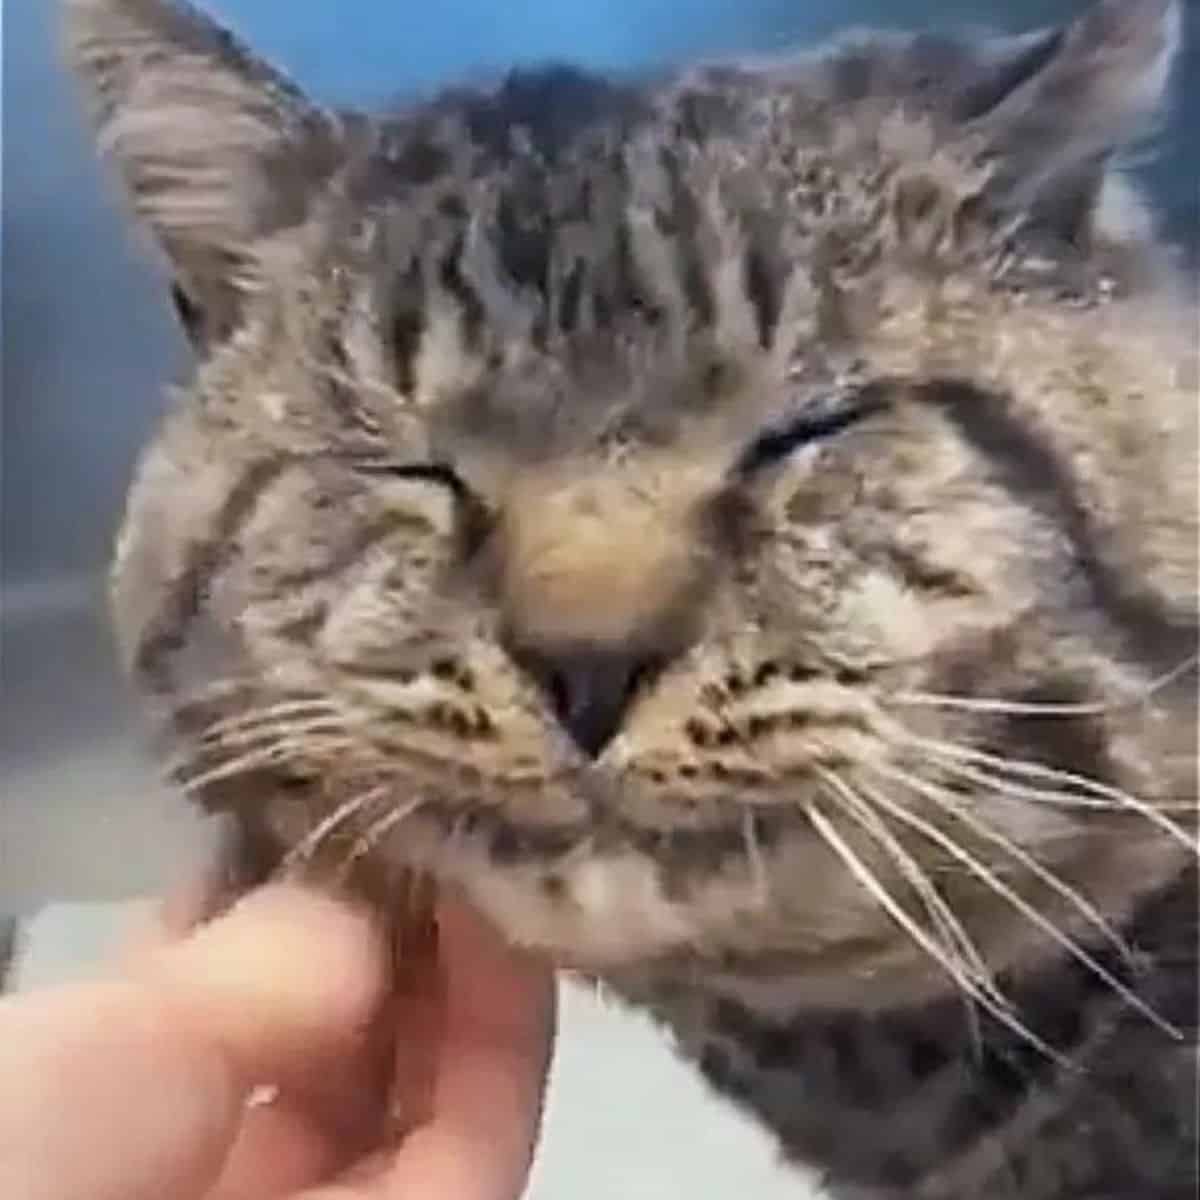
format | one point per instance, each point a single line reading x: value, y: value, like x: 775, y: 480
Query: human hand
x: 139, y: 1087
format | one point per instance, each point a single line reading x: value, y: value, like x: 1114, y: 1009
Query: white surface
x: 624, y: 1121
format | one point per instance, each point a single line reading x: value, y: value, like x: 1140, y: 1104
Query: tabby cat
x: 737, y: 525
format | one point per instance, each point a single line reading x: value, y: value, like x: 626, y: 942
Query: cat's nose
x: 590, y: 689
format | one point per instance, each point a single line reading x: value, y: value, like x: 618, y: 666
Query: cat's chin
x: 608, y: 918
x: 598, y: 914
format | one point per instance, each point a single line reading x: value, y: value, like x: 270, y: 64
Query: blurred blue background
x: 88, y: 341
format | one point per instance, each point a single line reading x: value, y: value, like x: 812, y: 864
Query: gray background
x: 87, y: 346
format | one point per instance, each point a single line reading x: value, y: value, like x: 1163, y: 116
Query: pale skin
x: 142, y: 1084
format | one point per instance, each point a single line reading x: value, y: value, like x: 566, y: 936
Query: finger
x: 313, y: 1127
x: 166, y: 921
x: 288, y: 980
x: 103, y: 1097
x: 282, y: 1144
x: 319, y: 974
x: 489, y: 1075
x: 324, y: 1118
x: 280, y: 1148
x: 123, y: 1089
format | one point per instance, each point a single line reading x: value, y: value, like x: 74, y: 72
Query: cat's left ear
x: 218, y: 151
x: 1055, y: 108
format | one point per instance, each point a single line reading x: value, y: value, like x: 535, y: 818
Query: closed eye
x: 777, y: 442
x: 475, y: 520
x: 437, y: 473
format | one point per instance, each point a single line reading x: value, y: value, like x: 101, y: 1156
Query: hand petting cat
x: 275, y: 1053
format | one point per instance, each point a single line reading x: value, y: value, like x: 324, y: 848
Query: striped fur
x: 738, y: 526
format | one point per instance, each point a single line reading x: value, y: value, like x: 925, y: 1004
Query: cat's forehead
x: 566, y: 262
x: 649, y: 403
x: 560, y: 277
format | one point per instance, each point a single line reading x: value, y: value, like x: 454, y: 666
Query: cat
x: 738, y: 526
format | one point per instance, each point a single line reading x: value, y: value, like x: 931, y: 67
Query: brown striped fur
x: 739, y: 527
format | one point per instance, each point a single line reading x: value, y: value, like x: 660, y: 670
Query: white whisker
x: 935, y: 903
x: 270, y: 755
x: 754, y: 857
x: 862, y: 873
x: 1033, y: 770
x: 381, y: 828
x: 1035, y: 709
x: 260, y: 716
x: 949, y: 803
x: 1002, y: 889
x: 247, y: 737
x: 311, y: 842
x: 1059, y: 797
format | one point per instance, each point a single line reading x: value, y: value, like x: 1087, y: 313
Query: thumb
x: 133, y: 1088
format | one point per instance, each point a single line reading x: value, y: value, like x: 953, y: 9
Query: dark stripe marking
x: 1032, y: 471
x: 166, y: 635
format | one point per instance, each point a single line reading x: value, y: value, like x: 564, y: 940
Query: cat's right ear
x: 217, y: 150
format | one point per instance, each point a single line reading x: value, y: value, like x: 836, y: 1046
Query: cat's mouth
x: 604, y: 892
x: 507, y: 842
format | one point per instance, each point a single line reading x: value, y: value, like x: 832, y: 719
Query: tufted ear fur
x: 217, y: 150
x: 1054, y: 107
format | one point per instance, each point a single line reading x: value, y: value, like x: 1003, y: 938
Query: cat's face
x: 686, y: 538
